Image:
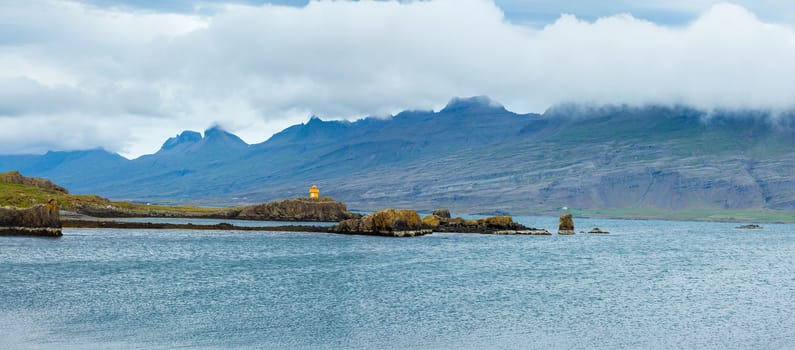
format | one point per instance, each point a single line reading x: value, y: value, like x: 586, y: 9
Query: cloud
x: 134, y: 78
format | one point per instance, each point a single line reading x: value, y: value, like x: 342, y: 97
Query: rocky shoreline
x: 41, y: 220
x: 322, y: 209
x: 45, y: 220
x: 386, y: 223
x: 407, y: 223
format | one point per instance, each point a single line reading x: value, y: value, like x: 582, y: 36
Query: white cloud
x: 133, y: 79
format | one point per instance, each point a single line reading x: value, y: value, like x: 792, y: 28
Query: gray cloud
x: 144, y: 76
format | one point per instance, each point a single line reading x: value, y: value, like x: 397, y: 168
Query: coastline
x: 696, y: 215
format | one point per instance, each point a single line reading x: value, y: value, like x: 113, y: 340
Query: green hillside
x: 22, y: 195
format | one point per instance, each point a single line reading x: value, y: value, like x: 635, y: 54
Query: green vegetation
x: 146, y: 208
x: 733, y: 215
x: 26, y: 196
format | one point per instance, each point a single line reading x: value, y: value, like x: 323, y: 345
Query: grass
x: 145, y: 208
x: 723, y: 215
x: 25, y: 196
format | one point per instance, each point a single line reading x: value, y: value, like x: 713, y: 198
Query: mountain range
x: 472, y: 156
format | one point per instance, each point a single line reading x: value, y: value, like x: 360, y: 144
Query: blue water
x: 647, y: 285
x: 242, y: 223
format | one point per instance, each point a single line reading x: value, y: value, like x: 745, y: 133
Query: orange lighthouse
x: 314, y: 192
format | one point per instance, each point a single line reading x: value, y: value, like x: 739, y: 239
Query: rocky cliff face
x: 298, y: 209
x: 41, y: 220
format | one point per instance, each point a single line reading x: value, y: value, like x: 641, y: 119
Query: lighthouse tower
x: 314, y: 192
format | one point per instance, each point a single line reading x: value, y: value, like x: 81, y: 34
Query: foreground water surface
x: 649, y: 284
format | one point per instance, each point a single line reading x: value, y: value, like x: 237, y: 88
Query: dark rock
x: 749, y: 227
x: 597, y: 230
x: 442, y: 213
x: 566, y: 226
x: 299, y: 209
x: 389, y: 222
x: 40, y: 220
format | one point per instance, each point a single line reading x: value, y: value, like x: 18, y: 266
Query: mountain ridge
x: 476, y: 156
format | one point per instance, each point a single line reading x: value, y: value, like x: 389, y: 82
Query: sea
x: 646, y: 285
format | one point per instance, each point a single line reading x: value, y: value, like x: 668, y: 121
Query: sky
x: 125, y: 75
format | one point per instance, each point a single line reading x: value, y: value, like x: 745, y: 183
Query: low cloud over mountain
x: 126, y: 79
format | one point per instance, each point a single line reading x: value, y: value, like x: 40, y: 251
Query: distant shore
x: 701, y: 215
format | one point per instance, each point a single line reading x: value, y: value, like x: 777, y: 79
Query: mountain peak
x: 185, y: 137
x: 217, y: 135
x: 191, y: 141
x: 314, y: 120
x: 215, y: 130
x: 461, y: 104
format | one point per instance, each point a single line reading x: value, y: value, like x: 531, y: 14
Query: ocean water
x: 243, y: 223
x: 647, y: 285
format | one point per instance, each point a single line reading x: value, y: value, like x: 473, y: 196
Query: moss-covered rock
x: 40, y: 220
x: 298, y: 209
x: 489, y: 225
x: 497, y: 221
x: 431, y: 221
x: 389, y: 222
x: 566, y: 226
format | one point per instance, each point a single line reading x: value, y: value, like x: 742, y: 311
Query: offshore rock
x: 566, y: 226
x: 389, y: 222
x: 298, y: 209
x: 598, y: 231
x: 442, y: 213
x: 749, y: 227
x: 40, y: 220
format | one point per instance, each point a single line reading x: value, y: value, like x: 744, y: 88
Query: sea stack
x: 566, y: 226
x: 40, y: 220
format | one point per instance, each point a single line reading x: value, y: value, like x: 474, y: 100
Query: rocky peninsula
x: 498, y: 225
x: 407, y: 223
x: 40, y: 220
x: 93, y: 211
x: 322, y: 209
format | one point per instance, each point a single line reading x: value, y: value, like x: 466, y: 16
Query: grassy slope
x: 759, y: 215
x: 24, y: 196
